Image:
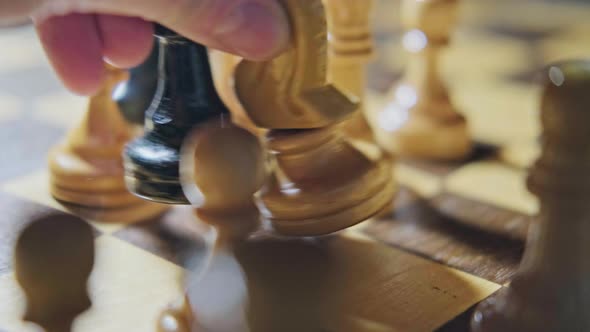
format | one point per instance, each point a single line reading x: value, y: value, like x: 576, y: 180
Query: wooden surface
x: 454, y: 238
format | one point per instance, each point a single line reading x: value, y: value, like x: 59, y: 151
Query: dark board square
x: 175, y: 236
x: 524, y: 34
x: 16, y: 214
x: 419, y: 228
x: 486, y: 217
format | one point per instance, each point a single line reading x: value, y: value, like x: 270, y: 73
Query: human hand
x: 79, y: 34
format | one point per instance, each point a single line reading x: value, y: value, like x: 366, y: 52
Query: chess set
x: 397, y: 194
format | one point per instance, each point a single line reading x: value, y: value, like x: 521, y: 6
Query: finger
x: 255, y: 29
x: 74, y: 48
x: 250, y: 30
x: 126, y: 41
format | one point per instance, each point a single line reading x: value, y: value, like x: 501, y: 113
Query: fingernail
x: 254, y: 31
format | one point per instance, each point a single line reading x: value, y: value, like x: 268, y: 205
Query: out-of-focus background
x: 494, y: 59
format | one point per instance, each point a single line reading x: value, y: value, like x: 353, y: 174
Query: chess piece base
x: 151, y: 171
x: 130, y: 214
x: 102, y: 200
x: 71, y: 171
x: 334, y: 222
x: 358, y: 128
x: 317, y: 212
x: 425, y: 138
x: 95, y: 188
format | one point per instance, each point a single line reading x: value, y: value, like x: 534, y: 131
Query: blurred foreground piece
x: 176, y: 318
x: 223, y: 166
x: 552, y: 290
x: 185, y: 97
x: 86, y: 171
x: 314, y: 161
x: 421, y: 121
x: 229, y: 168
x: 53, y: 259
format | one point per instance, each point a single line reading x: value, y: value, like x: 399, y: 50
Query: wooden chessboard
x: 454, y: 238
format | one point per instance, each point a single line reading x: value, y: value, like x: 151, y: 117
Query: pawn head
x: 225, y: 166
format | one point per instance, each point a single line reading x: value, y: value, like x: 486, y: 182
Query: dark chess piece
x: 53, y: 259
x: 551, y: 291
x: 185, y: 97
x: 135, y: 95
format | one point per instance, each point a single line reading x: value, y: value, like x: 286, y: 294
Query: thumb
x: 254, y: 29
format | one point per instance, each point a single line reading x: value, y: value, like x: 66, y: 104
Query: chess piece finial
x: 135, y: 95
x: 53, y: 258
x: 185, y: 97
x: 314, y: 160
x: 86, y: 171
x: 421, y: 121
x: 350, y: 48
x: 551, y: 291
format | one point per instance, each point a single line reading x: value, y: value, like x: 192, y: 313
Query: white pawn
x: 421, y: 121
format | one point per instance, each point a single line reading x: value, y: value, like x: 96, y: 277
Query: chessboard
x: 454, y: 237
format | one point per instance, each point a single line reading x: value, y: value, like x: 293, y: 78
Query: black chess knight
x: 185, y: 97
